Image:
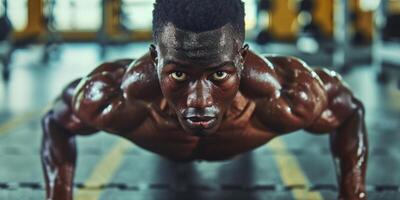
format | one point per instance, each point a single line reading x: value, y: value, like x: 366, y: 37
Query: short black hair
x: 198, y: 15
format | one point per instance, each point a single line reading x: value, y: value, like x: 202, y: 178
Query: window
x: 77, y: 15
x: 18, y: 13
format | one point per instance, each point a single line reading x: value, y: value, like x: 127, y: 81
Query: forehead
x: 212, y: 46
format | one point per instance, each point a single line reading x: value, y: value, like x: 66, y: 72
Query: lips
x: 200, y: 122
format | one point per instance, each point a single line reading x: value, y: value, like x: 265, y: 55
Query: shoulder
x: 113, y: 67
x: 129, y: 78
x: 278, y: 67
x: 105, y: 76
x: 330, y: 78
x: 283, y: 61
x: 258, y: 77
x: 289, y: 67
x: 265, y: 75
x: 274, y: 66
x: 140, y: 80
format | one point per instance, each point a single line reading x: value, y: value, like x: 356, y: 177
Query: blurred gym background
x: 45, y: 44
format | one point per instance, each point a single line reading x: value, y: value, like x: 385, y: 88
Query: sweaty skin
x: 205, y: 96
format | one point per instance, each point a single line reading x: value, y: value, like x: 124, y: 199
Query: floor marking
x: 289, y: 168
x: 104, y: 170
x: 291, y: 171
x: 16, y: 121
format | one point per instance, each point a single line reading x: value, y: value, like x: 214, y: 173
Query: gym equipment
x: 391, y: 31
x: 5, y: 42
x: 262, y: 22
x: 341, y: 35
x: 101, y: 35
x: 357, y: 36
x: 53, y: 39
x: 5, y: 27
x: 385, y: 49
x: 310, y: 34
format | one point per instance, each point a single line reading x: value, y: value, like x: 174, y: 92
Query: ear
x: 153, y: 54
x: 244, y: 52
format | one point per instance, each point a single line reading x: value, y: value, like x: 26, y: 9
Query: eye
x: 179, y: 76
x: 220, y: 75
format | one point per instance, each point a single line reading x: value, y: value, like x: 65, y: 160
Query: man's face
x: 199, y: 74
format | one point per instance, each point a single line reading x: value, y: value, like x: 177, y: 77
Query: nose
x: 199, y: 95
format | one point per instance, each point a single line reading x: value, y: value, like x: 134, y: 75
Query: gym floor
x: 296, y: 166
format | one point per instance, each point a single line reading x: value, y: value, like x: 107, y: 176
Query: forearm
x: 350, y: 151
x: 58, y: 155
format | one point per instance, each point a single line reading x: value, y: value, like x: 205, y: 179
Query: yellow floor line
x: 291, y: 171
x: 18, y: 120
x: 104, y: 171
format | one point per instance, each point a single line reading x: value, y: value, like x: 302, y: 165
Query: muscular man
x: 200, y: 93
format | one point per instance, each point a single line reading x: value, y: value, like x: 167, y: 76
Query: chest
x: 237, y: 134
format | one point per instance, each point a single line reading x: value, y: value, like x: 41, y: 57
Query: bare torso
x: 161, y: 133
x: 277, y: 95
x: 237, y: 134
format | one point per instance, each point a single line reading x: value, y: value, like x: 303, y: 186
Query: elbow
x: 359, y: 107
x: 355, y: 116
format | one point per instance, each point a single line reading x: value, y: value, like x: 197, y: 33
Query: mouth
x: 201, y: 122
